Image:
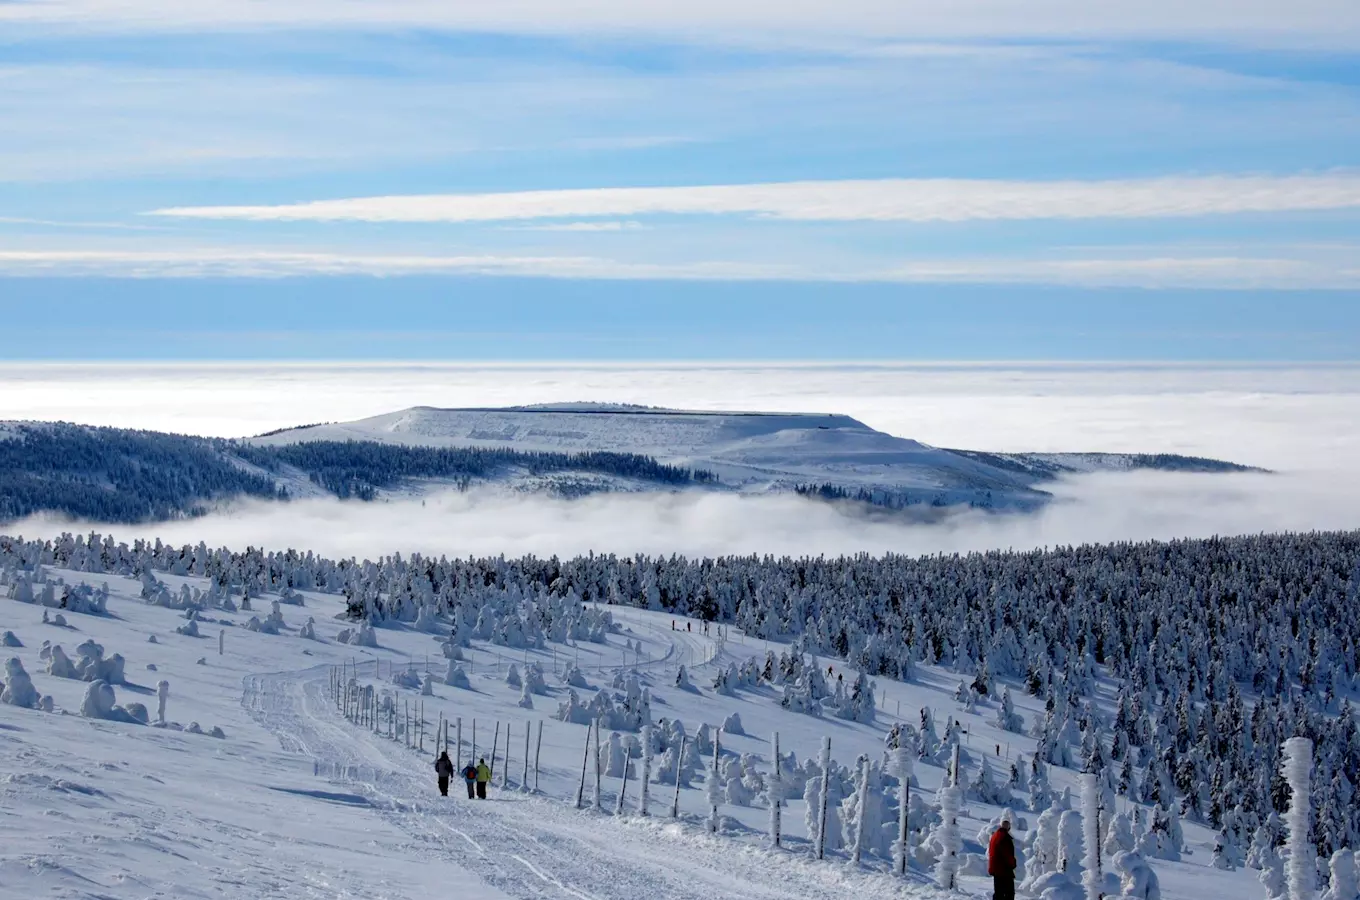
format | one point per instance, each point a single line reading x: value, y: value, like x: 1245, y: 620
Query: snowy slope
x: 295, y: 801
x: 754, y: 451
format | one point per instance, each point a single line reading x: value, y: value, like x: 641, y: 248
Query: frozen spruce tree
x: 19, y: 690
x: 1343, y: 881
x: 1300, y: 869
x: 948, y: 837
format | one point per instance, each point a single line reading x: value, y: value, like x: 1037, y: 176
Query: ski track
x: 532, y: 846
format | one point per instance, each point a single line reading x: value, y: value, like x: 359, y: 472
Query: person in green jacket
x: 483, y: 776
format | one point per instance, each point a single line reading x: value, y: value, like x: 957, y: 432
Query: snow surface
x: 295, y: 801
x: 747, y: 449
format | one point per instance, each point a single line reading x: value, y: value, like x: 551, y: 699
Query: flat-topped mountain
x: 569, y: 450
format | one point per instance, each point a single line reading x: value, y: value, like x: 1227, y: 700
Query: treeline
x: 123, y: 475
x: 885, y: 498
x: 116, y: 475
x: 361, y: 468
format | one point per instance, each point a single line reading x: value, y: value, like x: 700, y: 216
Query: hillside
x: 118, y: 475
x: 752, y: 451
x: 304, y: 793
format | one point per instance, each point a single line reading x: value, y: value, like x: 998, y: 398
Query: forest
x: 127, y: 476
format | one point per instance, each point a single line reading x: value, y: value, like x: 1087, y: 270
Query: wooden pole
x: 495, y: 745
x: 776, y: 796
x: 585, y: 760
x: 599, y: 797
x: 524, y: 781
x: 623, y: 786
x: 679, y: 764
x: 538, y: 753
x: 821, y: 812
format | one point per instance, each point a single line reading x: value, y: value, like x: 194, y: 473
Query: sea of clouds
x: 1298, y: 421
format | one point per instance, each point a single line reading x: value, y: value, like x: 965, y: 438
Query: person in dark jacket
x: 443, y: 767
x: 1001, y: 862
x: 470, y: 776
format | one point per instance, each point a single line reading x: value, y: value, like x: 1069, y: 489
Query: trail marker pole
x: 821, y: 811
x: 858, y: 851
x: 460, y: 742
x: 712, y: 785
x: 524, y: 781
x: 505, y: 772
x: 776, y: 795
x: 904, y: 767
x: 585, y: 759
x: 644, y: 789
x: 599, y: 796
x: 538, y: 752
x: 623, y: 786
x: 495, y: 745
x: 679, y: 764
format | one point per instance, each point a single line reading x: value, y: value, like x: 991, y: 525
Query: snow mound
x: 19, y: 690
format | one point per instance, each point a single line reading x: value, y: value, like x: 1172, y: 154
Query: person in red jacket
x: 1001, y: 862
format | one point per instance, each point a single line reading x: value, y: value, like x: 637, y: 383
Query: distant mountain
x: 121, y: 475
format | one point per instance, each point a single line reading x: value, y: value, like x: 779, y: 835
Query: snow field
x: 295, y: 800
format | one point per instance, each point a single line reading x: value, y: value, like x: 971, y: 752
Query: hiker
x: 470, y: 776
x: 483, y: 776
x: 689, y: 626
x: 1001, y: 862
x: 443, y: 767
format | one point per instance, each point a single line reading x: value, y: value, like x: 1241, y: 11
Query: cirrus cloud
x: 880, y: 200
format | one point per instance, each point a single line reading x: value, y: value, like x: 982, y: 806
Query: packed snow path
x: 535, y: 846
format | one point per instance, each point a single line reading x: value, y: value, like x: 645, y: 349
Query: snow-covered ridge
x: 119, y: 475
x: 751, y: 451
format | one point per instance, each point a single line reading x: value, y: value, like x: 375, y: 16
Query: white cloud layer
x: 1089, y: 509
x: 883, y: 200
x: 1333, y: 270
x: 1331, y: 22
x: 1298, y: 420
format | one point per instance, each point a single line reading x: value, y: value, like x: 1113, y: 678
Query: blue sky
x: 878, y: 180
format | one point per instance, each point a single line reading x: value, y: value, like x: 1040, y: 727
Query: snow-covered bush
x: 526, y: 697
x: 59, y: 665
x: 308, y: 630
x: 534, y: 681
x: 1343, y: 883
x: 456, y: 677
x: 406, y: 678
x: 93, y: 666
x: 512, y: 678
x: 572, y: 677
x: 19, y: 690
x: 10, y: 639
x: 732, y: 725
x: 190, y: 628
x: 682, y: 680
x: 1137, y: 880
x: 101, y: 703
x: 1057, y: 886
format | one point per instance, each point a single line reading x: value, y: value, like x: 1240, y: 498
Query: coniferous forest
x: 122, y: 475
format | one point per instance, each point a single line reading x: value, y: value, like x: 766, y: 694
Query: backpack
x: 470, y: 773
